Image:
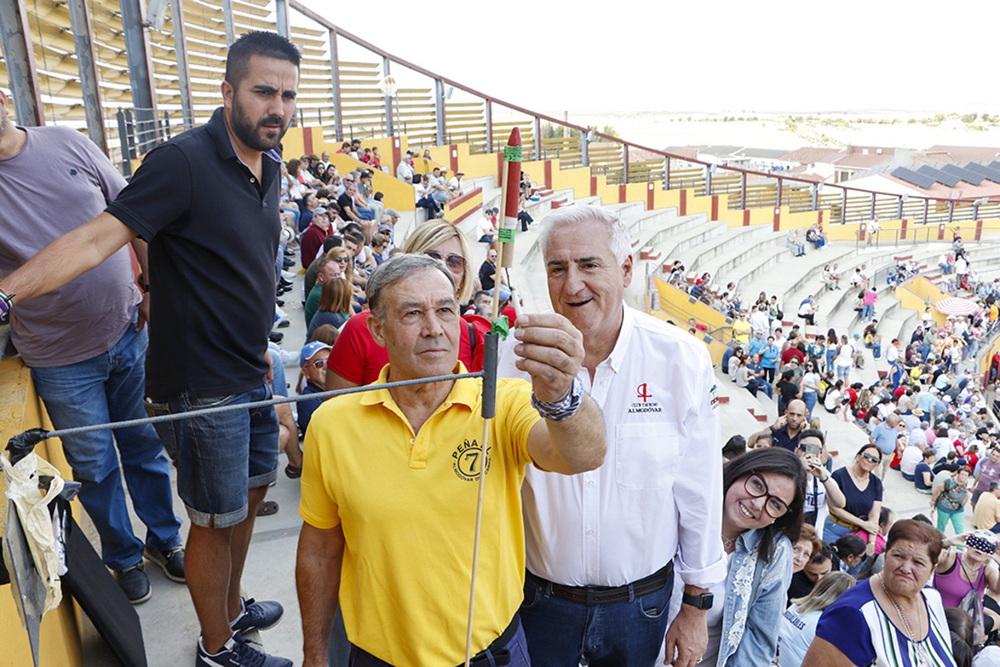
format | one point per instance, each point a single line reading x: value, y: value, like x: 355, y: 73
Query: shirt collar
x: 462, y: 393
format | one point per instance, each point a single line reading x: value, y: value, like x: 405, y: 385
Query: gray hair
x: 621, y: 245
x: 395, y: 269
x: 826, y: 592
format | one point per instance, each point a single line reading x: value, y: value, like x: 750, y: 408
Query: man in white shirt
x: 759, y: 320
x: 603, y: 547
x: 404, y: 170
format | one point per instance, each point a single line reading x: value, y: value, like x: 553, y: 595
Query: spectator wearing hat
x: 312, y: 239
x: 455, y: 184
x: 312, y: 361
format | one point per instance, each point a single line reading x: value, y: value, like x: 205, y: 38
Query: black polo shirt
x: 784, y: 440
x: 213, y: 237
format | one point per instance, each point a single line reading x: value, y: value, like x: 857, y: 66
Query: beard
x: 252, y: 133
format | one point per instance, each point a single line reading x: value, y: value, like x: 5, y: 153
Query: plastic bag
x: 32, y: 505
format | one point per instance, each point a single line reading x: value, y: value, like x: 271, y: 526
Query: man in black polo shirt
x: 786, y: 429
x: 207, y: 204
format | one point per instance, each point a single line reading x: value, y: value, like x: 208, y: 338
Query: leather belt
x: 597, y: 595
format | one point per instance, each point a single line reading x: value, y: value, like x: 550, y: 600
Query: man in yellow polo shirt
x: 389, y: 482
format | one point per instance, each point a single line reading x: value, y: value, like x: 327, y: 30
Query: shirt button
x: 590, y: 531
x: 253, y: 180
x: 411, y: 441
x: 590, y: 482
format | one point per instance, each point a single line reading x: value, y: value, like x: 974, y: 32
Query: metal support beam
x: 899, y: 209
x: 843, y: 206
x: 281, y: 16
x: 708, y: 180
x: 951, y: 211
x: 390, y: 130
x: 625, y: 163
x: 780, y: 184
x: 926, y: 207
x: 140, y: 73
x: 180, y: 54
x: 439, y: 110
x: 538, y: 139
x: 815, y: 196
x: 79, y: 16
x: 227, y: 20
x: 743, y: 190
x: 338, y: 120
x: 19, y: 55
x: 585, y: 147
x: 489, y: 126
x: 871, y: 212
x: 666, y: 173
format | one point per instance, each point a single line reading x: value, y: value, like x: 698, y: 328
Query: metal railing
x: 913, y: 235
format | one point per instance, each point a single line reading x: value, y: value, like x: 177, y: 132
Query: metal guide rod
x: 110, y: 426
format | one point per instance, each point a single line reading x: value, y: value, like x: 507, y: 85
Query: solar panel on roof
x: 964, y: 174
x: 939, y: 176
x: 988, y: 172
x: 994, y: 165
x: 913, y: 178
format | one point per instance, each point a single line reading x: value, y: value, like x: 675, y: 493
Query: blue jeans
x: 809, y: 398
x: 109, y: 387
x: 876, y: 350
x: 867, y: 312
x: 516, y: 648
x: 559, y: 631
x: 832, y: 531
x: 220, y: 456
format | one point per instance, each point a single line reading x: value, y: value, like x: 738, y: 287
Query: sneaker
x: 134, y: 583
x: 289, y: 358
x: 170, y: 561
x: 237, y: 653
x: 257, y: 616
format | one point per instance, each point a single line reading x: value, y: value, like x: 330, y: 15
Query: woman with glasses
x: 949, y: 499
x: 863, y: 498
x: 810, y: 385
x: 356, y: 360
x: 761, y: 518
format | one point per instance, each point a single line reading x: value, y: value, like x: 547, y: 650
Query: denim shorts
x: 219, y: 457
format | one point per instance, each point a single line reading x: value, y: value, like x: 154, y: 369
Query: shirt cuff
x: 705, y: 577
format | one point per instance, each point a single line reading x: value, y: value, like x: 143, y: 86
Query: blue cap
x: 310, y: 350
x: 504, y: 293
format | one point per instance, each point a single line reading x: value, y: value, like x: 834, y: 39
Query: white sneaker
x: 289, y: 358
x: 288, y: 275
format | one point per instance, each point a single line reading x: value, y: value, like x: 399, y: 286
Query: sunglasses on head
x: 453, y: 260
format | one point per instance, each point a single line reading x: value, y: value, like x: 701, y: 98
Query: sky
x: 712, y: 56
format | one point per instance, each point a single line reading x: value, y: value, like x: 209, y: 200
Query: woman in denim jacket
x: 761, y: 518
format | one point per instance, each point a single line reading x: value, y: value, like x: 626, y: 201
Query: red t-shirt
x: 310, y: 243
x: 792, y: 352
x: 356, y: 356
x: 853, y: 395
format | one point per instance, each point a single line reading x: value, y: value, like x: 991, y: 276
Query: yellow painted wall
x: 575, y: 178
x: 666, y: 198
x: 917, y: 293
x: 398, y: 195
x: 455, y: 211
x: 803, y: 220
x: 716, y: 350
x: 21, y: 409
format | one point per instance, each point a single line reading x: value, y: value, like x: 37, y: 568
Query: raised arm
x: 551, y: 351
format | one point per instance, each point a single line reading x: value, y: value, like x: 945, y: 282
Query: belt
x: 844, y: 523
x: 597, y: 595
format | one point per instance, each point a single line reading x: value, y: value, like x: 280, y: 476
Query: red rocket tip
x: 515, y: 137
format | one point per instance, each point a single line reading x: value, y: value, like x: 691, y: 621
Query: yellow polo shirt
x: 407, y: 505
x: 987, y: 512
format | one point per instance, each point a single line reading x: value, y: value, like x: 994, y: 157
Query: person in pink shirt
x: 868, y: 309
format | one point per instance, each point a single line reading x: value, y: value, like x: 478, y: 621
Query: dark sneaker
x: 171, y: 562
x: 236, y: 653
x: 257, y: 616
x: 134, y: 583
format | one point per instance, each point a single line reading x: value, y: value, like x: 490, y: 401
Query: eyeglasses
x: 872, y: 458
x: 453, y: 260
x: 757, y: 487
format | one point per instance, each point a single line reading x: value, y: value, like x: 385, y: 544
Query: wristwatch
x: 703, y: 601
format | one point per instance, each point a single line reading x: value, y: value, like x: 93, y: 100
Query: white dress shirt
x: 658, y: 495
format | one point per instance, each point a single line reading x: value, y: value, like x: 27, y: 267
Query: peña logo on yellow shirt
x: 467, y: 459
